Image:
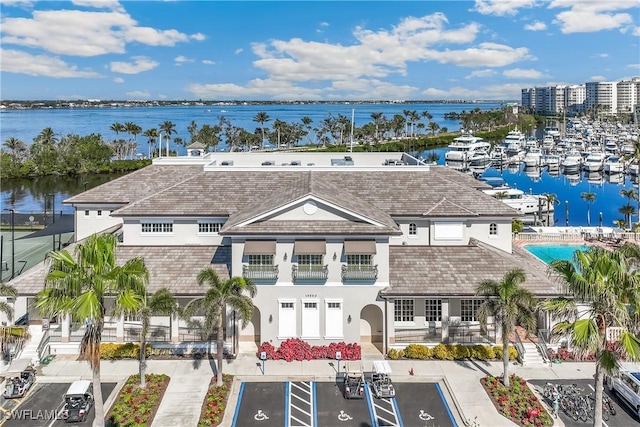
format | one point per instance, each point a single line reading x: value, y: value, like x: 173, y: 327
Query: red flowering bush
x: 297, y: 349
x: 517, y: 402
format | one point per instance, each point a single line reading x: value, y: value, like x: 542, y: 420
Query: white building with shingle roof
x: 363, y: 247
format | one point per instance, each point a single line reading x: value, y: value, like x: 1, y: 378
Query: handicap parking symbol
x: 424, y: 416
x: 260, y: 416
x: 342, y: 416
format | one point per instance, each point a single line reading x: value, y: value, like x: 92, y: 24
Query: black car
x: 353, y: 385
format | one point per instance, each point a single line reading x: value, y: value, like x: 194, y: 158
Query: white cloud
x: 162, y: 96
x: 208, y: 62
x: 180, y: 59
x: 480, y: 73
x: 118, y: 80
x: 502, y: 7
x: 104, y: 4
x: 597, y: 79
x: 636, y: 31
x: 602, y: 55
x: 238, y: 51
x: 258, y: 88
x: 84, y: 33
x: 15, y: 61
x: 501, y: 91
x: 324, y: 24
x: 634, y: 66
x: 139, y: 65
x: 536, y: 26
x: 592, y: 16
x: 138, y: 94
x: 519, y: 73
x: 198, y: 37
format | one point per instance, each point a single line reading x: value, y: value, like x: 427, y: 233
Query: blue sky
x: 303, y: 50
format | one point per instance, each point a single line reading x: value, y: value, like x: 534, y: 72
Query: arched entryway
x: 371, y: 326
x: 251, y: 334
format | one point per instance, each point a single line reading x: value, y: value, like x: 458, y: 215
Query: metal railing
x: 542, y: 343
x: 359, y: 272
x: 426, y: 334
x: 309, y: 272
x: 519, y: 348
x: 471, y: 334
x: 260, y: 272
x: 44, y: 349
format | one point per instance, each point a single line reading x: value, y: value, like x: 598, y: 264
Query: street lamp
x: 13, y: 242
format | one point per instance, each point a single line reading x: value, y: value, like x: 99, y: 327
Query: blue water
x: 549, y: 253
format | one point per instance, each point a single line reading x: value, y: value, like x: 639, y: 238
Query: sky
x: 311, y: 50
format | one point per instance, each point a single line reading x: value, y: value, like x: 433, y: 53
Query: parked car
x: 18, y: 385
x: 381, y: 384
x: 18, y: 382
x: 626, y: 385
x: 354, y: 385
x: 78, y: 401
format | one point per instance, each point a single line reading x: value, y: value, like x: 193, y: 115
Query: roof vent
x: 268, y: 163
x: 227, y: 163
x: 296, y: 163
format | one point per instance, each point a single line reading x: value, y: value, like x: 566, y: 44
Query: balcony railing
x: 260, y: 272
x: 309, y: 272
x: 359, y: 272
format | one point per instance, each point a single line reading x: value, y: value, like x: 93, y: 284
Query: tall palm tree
x: 161, y: 303
x: 117, y: 128
x: 433, y: 127
x: 47, y: 137
x: 152, y: 137
x: 236, y: 292
x: 604, y: 293
x: 627, y: 211
x: 168, y: 127
x: 79, y: 284
x: 15, y: 146
x: 510, y: 304
x: 551, y: 199
x: 262, y: 117
x: 589, y: 198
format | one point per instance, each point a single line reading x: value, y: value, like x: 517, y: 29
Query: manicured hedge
x: 451, y: 352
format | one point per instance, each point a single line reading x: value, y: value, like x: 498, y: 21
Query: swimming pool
x: 549, y: 253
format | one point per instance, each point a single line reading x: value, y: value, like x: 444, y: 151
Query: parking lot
x: 41, y: 406
x: 308, y: 403
x: 623, y: 418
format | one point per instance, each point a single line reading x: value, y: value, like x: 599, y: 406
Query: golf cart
x: 78, y: 401
x: 353, y: 384
x: 20, y: 378
x: 381, y: 384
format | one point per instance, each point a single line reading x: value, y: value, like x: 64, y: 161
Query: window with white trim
x: 157, y: 227
x: 433, y: 310
x: 86, y: 212
x: 403, y: 310
x: 469, y: 309
x: 493, y: 229
x: 359, y: 260
x: 260, y: 259
x: 209, y: 227
x: 413, y: 229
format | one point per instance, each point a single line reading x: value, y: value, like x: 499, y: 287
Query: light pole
x: 13, y: 243
x: 566, y: 211
x: 53, y: 218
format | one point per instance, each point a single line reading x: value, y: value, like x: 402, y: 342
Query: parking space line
x: 237, y: 412
x: 367, y: 394
x: 384, y: 407
x: 446, y: 405
x: 300, y: 403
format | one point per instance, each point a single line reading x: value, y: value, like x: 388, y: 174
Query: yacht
x: 499, y: 155
x: 533, y: 158
x: 613, y: 165
x: 634, y: 169
x: 514, y: 143
x: 462, y: 147
x: 528, y: 204
x: 572, y: 162
x: 594, y: 162
x: 553, y: 161
x: 478, y: 159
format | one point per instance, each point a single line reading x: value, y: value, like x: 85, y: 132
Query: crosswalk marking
x: 301, y: 401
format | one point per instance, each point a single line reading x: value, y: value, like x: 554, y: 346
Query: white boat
x: 478, y: 158
x: 611, y: 147
x: 514, y: 143
x: 533, y: 158
x: 628, y: 149
x: 596, y: 178
x: 518, y: 199
x: 552, y: 131
x: 572, y: 162
x: 499, y: 155
x: 594, y: 162
x: 548, y: 142
x: 462, y: 147
x: 553, y: 161
x: 613, y: 165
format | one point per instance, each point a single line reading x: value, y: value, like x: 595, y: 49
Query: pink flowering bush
x: 297, y: 349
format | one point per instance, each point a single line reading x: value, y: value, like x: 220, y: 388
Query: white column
x: 65, y: 328
x: 120, y: 329
x: 445, y: 320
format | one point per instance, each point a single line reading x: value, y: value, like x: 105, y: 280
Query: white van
x: 627, y: 386
x: 78, y: 401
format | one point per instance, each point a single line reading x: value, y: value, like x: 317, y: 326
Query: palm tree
x: 627, y: 211
x: 236, y: 292
x: 15, y: 145
x: 433, y: 127
x: 168, y: 127
x: 161, y: 303
x: 262, y: 118
x: 604, y: 293
x: 79, y: 284
x: 510, y: 304
x: 47, y: 137
x: 152, y: 136
x: 5, y: 307
x: 117, y: 128
x: 377, y: 119
x: 551, y: 199
x: 589, y: 198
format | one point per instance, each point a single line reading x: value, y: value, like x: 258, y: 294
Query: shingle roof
x: 310, y: 227
x: 173, y: 267
x: 457, y: 270
x: 137, y: 184
x: 395, y: 192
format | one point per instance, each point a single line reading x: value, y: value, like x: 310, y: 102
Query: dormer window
x: 209, y: 227
x: 413, y: 229
x: 493, y: 229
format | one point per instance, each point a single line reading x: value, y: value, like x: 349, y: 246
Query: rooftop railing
x: 359, y: 272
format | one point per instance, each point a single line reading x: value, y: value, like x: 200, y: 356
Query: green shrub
x: 460, y: 352
x: 440, y: 352
x: 129, y: 350
x: 483, y: 352
x: 394, y: 354
x: 417, y: 351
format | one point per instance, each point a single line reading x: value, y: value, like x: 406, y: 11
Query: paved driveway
x: 311, y: 404
x: 40, y: 408
x: 623, y: 418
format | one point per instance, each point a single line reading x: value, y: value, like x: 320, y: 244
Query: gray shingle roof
x: 457, y: 270
x: 395, y: 192
x: 310, y: 227
x: 173, y: 267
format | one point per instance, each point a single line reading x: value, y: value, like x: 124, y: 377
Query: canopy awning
x: 260, y: 247
x: 360, y: 247
x: 310, y: 247
x: 64, y: 224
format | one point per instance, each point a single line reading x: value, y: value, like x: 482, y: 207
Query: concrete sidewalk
x: 190, y: 379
